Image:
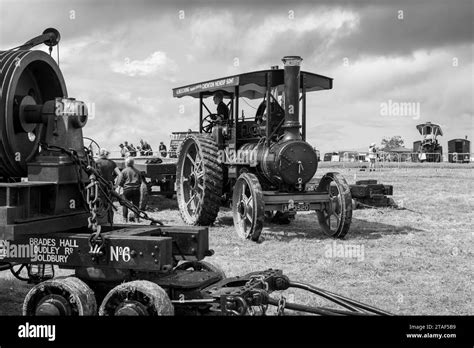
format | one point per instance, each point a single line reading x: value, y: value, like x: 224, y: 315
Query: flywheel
x: 26, y: 78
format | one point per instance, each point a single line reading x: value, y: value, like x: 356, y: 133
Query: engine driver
x: 222, y: 109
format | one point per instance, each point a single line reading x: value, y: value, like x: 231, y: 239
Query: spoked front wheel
x: 248, y: 207
x: 336, y: 216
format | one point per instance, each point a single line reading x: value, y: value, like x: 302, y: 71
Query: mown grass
x: 415, y: 261
x: 12, y: 294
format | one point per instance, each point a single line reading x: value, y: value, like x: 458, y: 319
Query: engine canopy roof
x: 429, y: 128
x: 252, y: 85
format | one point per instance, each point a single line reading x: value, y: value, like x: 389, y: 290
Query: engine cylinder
x: 293, y: 162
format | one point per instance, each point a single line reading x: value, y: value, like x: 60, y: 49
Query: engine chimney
x: 292, y: 87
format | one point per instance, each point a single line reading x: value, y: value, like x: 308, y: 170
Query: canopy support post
x: 200, y: 112
x: 268, y: 82
x: 303, y: 113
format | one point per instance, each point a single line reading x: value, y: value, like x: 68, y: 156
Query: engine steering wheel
x: 211, y: 120
x: 93, y: 146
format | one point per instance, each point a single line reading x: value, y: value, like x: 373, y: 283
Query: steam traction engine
x: 428, y: 148
x: 261, y: 164
x: 52, y: 200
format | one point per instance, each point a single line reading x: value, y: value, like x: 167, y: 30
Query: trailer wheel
x: 68, y: 296
x: 248, y: 207
x: 335, y: 219
x: 137, y: 298
x: 201, y: 266
x: 198, y: 180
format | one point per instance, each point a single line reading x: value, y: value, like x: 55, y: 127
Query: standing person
x: 142, y: 148
x: 143, y: 193
x: 162, y: 149
x: 123, y: 150
x: 372, y: 157
x: 109, y: 171
x: 130, y: 180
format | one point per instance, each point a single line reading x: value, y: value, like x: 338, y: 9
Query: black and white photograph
x: 253, y: 159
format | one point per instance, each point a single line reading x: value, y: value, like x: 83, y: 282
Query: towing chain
x: 259, y: 278
x: 96, y: 242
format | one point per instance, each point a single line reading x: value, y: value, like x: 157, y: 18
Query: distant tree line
x: 394, y: 142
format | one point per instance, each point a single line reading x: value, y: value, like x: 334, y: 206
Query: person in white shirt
x: 372, y: 156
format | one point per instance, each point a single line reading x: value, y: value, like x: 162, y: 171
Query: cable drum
x: 24, y: 73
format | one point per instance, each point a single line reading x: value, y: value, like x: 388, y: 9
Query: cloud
x: 280, y: 35
x: 389, y: 59
x: 259, y: 38
x: 422, y: 25
x: 156, y: 63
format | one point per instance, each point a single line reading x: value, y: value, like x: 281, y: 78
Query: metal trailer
x: 328, y: 156
x: 160, y: 172
x: 176, y: 139
x: 53, y: 202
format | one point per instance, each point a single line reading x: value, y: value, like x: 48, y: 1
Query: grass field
x: 413, y: 261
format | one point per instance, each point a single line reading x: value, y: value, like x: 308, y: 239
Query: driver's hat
x: 219, y: 94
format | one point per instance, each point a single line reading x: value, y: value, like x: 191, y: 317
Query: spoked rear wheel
x: 199, y: 180
x: 335, y: 219
x: 248, y: 207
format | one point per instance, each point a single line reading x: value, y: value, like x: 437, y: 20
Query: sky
x: 394, y: 64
